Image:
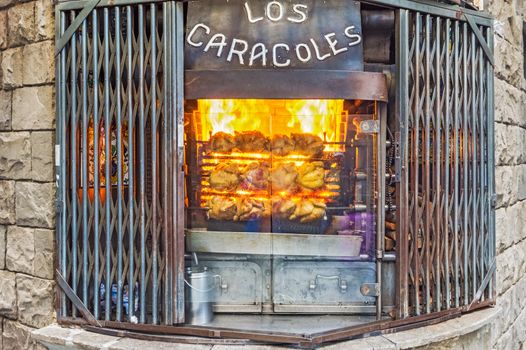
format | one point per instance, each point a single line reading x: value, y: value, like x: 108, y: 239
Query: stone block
x: 506, y: 269
x: 42, y: 164
x: 504, y: 238
x: 12, y: 68
x: 35, y: 204
x: 44, y: 253
x: 15, y: 155
x: 3, y: 231
x: 21, y: 24
x: 33, y: 108
x: 7, y: 202
x: 5, y: 3
x: 510, y: 103
x: 3, y: 29
x: 508, y: 62
x: 16, y: 336
x: 5, y: 109
x: 20, y: 254
x: 503, y: 150
x: 44, y: 20
x: 8, y: 306
x: 34, y: 300
x: 39, y: 63
x: 506, y: 184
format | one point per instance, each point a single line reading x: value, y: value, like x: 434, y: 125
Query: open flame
x: 319, y: 117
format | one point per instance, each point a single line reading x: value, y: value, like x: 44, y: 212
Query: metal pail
x: 199, y: 289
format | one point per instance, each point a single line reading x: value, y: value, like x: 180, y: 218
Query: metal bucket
x: 199, y: 294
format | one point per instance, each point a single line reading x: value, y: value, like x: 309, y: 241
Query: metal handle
x: 222, y: 284
x: 341, y: 282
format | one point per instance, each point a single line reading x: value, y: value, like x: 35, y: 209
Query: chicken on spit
x: 284, y: 177
x: 311, y: 175
x: 256, y: 176
x: 251, y: 141
x: 222, y: 142
x: 308, y: 210
x: 282, y: 145
x: 221, y: 208
x: 283, y: 207
x: 225, y: 177
x: 308, y: 144
x: 250, y: 209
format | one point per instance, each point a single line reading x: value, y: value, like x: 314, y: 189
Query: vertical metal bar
x: 167, y: 165
x: 402, y: 110
x: 427, y: 175
x: 74, y: 192
x: 482, y: 178
x: 416, y: 165
x: 96, y: 127
x: 118, y: 100
x: 465, y: 157
x: 447, y: 138
x: 131, y: 168
x: 178, y: 70
x: 84, y: 160
x: 491, y: 157
x: 437, y: 160
x: 142, y: 183
x: 380, y: 209
x: 456, y: 109
x: 107, y: 173
x: 61, y: 69
x: 153, y: 114
x: 473, y: 162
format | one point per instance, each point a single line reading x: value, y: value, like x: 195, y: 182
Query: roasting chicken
x: 221, y: 208
x: 283, y: 207
x: 222, y: 142
x: 225, y: 177
x: 308, y: 144
x: 308, y: 210
x: 282, y: 145
x: 284, y: 177
x: 311, y: 175
x: 251, y: 141
x: 256, y: 176
x: 250, y: 209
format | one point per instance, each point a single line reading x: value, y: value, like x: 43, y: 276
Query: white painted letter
x: 249, y: 14
x: 332, y: 44
x: 303, y: 15
x: 239, y: 53
x: 262, y: 53
x: 213, y: 44
x: 317, y: 51
x: 351, y: 35
x: 269, y: 11
x: 275, y: 56
x: 192, y: 32
x: 307, y: 50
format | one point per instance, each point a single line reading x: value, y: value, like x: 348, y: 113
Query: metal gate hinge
x: 370, y: 289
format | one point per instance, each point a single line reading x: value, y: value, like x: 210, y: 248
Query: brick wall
x: 509, y: 332
x: 27, y: 191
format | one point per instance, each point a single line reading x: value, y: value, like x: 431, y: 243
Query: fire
x: 319, y: 117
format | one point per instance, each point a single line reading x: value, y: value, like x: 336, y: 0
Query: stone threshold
x: 56, y: 337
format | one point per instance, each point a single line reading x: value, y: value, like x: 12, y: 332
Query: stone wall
x: 27, y: 122
x: 509, y: 332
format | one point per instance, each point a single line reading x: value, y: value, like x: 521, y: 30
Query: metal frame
x: 436, y: 45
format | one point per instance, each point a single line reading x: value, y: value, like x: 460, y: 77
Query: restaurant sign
x: 255, y: 34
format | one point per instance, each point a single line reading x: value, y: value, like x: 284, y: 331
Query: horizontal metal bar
x: 76, y: 5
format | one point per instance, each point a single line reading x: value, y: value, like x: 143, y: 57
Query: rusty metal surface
x: 271, y: 84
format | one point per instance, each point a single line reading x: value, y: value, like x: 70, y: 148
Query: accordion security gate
x: 119, y: 156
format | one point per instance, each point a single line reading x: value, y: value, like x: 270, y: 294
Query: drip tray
x: 298, y: 324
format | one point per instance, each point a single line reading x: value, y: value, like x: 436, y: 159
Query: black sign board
x: 278, y: 34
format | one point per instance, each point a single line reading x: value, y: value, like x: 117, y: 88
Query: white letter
x: 219, y: 45
x: 317, y: 50
x: 249, y: 15
x: 275, y: 55
x: 332, y: 44
x: 262, y: 54
x: 269, y: 11
x: 239, y: 53
x: 350, y: 35
x: 303, y: 15
x: 307, y: 49
x: 192, y: 32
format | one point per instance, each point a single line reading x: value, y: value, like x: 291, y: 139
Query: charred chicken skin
x: 308, y: 144
x: 222, y: 142
x: 311, y: 176
x: 221, y: 208
x: 256, y: 176
x: 251, y: 141
x: 225, y: 177
x: 282, y: 145
x: 284, y: 177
